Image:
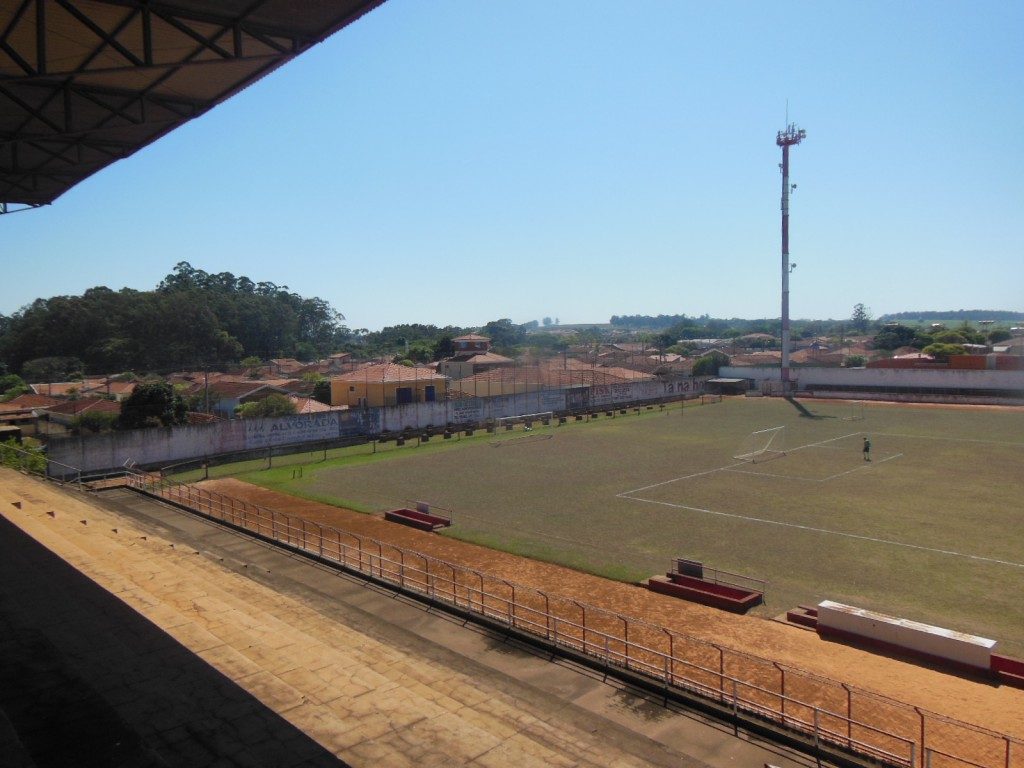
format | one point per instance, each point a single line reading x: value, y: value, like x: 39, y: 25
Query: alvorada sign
x: 260, y: 433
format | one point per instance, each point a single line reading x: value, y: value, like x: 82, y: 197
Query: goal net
x: 527, y: 419
x: 763, y: 444
x: 855, y: 412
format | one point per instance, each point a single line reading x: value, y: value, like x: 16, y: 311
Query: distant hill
x: 953, y: 316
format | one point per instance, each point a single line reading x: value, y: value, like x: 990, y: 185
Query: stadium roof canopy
x: 84, y: 83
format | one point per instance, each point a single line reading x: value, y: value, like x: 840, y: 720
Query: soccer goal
x: 527, y: 419
x: 855, y: 412
x: 763, y: 444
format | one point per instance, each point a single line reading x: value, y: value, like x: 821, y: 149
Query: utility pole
x: 786, y: 139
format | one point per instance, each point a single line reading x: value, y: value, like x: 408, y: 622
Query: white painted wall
x: 168, y: 445
x: 886, y: 377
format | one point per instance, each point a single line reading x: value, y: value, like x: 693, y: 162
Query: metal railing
x: 825, y: 711
x: 719, y: 576
x: 36, y: 463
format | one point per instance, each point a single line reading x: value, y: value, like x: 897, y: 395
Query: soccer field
x: 931, y: 529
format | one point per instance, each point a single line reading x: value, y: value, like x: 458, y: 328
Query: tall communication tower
x: 786, y: 139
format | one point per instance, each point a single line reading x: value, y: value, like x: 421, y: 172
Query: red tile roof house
x: 472, y: 356
x: 503, y: 381
x: 380, y: 384
x: 64, y: 388
x: 119, y: 390
x: 226, y: 396
x: 309, y: 405
x: 57, y: 419
x: 22, y: 411
x: 471, y: 343
x: 281, y: 365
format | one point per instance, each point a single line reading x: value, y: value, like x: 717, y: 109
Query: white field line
x: 867, y: 465
x: 812, y: 529
x: 951, y: 439
x: 732, y: 466
x: 824, y: 443
x: 864, y: 466
x: 684, y: 477
x: 775, y: 474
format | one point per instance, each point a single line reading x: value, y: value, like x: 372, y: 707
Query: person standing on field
x: 867, y: 449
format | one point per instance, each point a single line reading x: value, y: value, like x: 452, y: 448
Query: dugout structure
x: 691, y: 580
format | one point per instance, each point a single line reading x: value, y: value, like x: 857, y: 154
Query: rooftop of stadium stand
x: 85, y: 84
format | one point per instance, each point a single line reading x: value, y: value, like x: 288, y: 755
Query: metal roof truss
x: 84, y: 84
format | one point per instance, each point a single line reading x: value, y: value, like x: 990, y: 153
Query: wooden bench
x: 416, y: 519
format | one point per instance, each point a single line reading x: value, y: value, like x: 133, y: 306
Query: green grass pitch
x: 931, y: 529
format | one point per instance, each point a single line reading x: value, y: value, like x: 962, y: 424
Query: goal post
x: 763, y: 444
x: 855, y: 412
x: 544, y: 417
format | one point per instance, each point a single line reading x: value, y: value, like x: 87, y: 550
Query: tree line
x: 192, y: 318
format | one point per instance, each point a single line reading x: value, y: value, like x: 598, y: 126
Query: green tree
x: 273, y: 404
x: 547, y: 321
x: 504, y: 334
x: 998, y: 334
x: 305, y: 351
x: 93, y: 421
x: 893, y: 336
x: 12, y: 385
x: 709, y: 364
x: 322, y: 391
x: 421, y: 352
x: 27, y: 457
x: 201, y: 400
x: 971, y: 334
x: 942, y: 352
x: 949, y: 337
x: 854, y: 361
x: 861, y: 318
x: 153, y: 403
x: 443, y: 347
x: 190, y: 319
x: 43, y: 369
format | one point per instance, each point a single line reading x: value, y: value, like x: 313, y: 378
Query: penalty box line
x: 812, y: 529
x: 732, y: 467
x: 865, y: 466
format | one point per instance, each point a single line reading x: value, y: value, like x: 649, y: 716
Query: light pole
x: 786, y: 139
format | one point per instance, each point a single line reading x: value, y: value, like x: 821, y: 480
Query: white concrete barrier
x: 904, y: 634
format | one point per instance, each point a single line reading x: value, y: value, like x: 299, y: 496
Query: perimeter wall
x: 949, y: 385
x: 160, y: 446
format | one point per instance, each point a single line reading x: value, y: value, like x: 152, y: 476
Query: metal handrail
x: 368, y: 556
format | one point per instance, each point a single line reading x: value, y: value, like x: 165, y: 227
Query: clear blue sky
x: 457, y: 162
